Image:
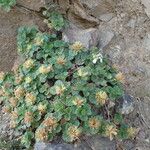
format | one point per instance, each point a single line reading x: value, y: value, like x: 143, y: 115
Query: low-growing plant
x: 7, y: 4
x: 61, y: 89
x: 54, y: 20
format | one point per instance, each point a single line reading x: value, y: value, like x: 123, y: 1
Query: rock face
x: 147, y: 6
x: 89, y: 37
x: 35, y: 5
x: 94, y: 143
x: 126, y: 104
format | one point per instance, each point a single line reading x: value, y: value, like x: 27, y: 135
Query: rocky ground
x: 120, y: 28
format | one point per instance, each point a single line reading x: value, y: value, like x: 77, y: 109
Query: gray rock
x: 89, y: 37
x: 126, y: 104
x: 146, y: 4
x: 90, y: 143
x: 105, y: 37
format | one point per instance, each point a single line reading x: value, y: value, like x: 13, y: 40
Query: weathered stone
x: 95, y: 143
x: 8, y: 33
x: 78, y: 15
x: 32, y: 4
x: 89, y: 37
x: 101, y: 9
x: 105, y: 37
x: 146, y: 4
x: 126, y: 104
x: 143, y: 88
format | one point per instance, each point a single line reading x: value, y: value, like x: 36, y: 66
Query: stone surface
x: 35, y: 5
x: 94, y: 143
x: 126, y: 104
x: 8, y: 33
x: 146, y: 4
x: 89, y: 37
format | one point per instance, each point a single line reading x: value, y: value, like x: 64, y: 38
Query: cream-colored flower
x: 74, y: 132
x: 28, y: 80
x: 14, y: 114
x: 77, y: 46
x: 41, y: 134
x: 94, y: 123
x: 28, y: 64
x: 30, y: 98
x: 19, y: 92
x: 39, y: 40
x: 2, y: 76
x: 78, y: 102
x: 61, y: 61
x: 13, y: 101
x: 50, y: 122
x: 111, y: 131
x: 18, y: 79
x: 13, y: 124
x: 42, y: 108
x: 120, y: 77
x: 60, y: 89
x: 101, y: 97
x: 45, y: 69
x: 82, y: 72
x: 28, y: 117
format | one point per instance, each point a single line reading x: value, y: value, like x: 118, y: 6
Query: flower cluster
x: 59, y: 90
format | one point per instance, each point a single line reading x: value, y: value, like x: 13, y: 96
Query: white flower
x: 97, y: 57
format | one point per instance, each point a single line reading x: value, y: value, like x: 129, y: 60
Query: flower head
x: 2, y: 76
x: 39, y: 40
x: 14, y: 114
x: 30, y: 98
x: 60, y: 89
x: 82, y: 72
x: 61, y: 61
x: 18, y: 79
x: 19, y: 92
x: 28, y: 64
x: 101, y: 97
x: 111, y: 131
x: 41, y: 134
x: 45, y: 69
x: 77, y: 46
x: 13, y: 124
x: 74, y: 132
x: 28, y: 117
x: 50, y: 122
x: 42, y: 108
x: 78, y: 101
x: 120, y: 77
x: 13, y: 101
x: 94, y: 123
x: 28, y: 79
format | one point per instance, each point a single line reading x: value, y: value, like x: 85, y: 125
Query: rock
x: 95, y: 143
x: 78, y: 15
x: 89, y: 37
x: 35, y: 5
x: 100, y: 9
x: 143, y: 88
x: 8, y: 32
x: 126, y: 104
x: 105, y: 37
x: 146, y: 4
